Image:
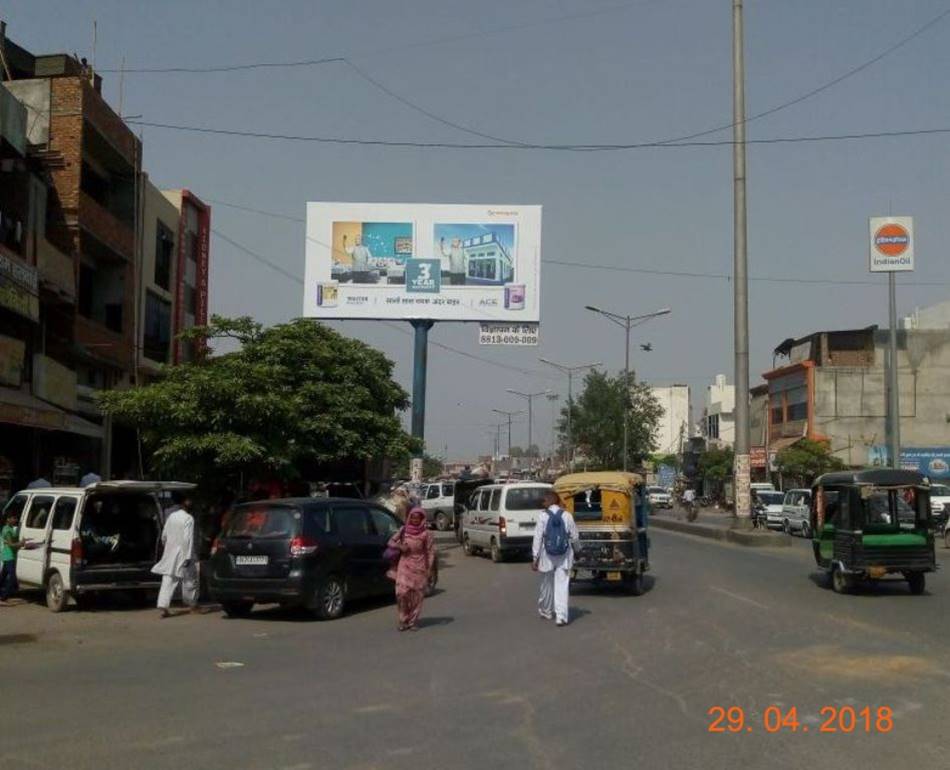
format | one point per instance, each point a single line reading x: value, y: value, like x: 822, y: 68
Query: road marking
x: 229, y: 664
x: 739, y: 598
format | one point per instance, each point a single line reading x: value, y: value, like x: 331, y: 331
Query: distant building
x: 673, y: 427
x: 833, y: 387
x: 719, y: 413
x: 932, y: 317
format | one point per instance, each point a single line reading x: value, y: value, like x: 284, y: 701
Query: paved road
x: 486, y: 683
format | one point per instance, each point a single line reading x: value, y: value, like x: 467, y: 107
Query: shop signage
x: 19, y: 287
x: 12, y: 352
x: 892, y: 244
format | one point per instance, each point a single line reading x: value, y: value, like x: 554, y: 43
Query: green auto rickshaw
x: 868, y: 524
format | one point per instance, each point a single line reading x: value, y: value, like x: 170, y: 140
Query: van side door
x: 31, y: 562
x: 61, y: 537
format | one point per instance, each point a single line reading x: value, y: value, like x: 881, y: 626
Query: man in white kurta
x: 555, y: 569
x: 177, y: 565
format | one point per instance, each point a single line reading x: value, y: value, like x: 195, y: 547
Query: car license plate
x: 614, y: 576
x: 583, y: 574
x: 250, y: 561
x: 527, y: 525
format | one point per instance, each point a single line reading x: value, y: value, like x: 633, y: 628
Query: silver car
x: 796, y: 511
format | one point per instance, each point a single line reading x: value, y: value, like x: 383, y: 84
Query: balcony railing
x: 105, y: 226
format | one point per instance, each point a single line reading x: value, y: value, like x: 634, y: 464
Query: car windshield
x: 770, y: 498
x: 890, y: 507
x: 656, y: 490
x: 525, y: 498
x: 940, y: 490
x: 274, y: 521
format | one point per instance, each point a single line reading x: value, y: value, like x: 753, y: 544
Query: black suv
x: 316, y: 553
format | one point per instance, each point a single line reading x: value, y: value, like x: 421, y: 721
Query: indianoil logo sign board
x: 892, y: 244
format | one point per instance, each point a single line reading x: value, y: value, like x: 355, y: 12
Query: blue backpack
x: 556, y: 541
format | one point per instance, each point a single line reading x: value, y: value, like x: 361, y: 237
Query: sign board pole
x: 893, y: 395
x: 419, y: 367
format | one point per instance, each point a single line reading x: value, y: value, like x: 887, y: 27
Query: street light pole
x: 509, y: 415
x: 530, y: 397
x: 627, y: 322
x: 742, y: 469
x: 570, y: 371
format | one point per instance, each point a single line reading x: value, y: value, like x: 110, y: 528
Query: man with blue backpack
x: 555, y: 538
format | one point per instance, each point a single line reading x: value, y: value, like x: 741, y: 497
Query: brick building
x: 73, y: 296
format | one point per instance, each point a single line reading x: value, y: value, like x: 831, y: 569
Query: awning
x: 777, y: 445
x: 20, y: 408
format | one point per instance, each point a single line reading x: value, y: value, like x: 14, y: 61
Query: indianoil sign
x: 892, y: 244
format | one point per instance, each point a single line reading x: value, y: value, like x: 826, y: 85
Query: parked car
x: 762, y: 486
x: 940, y: 506
x: 660, y: 497
x: 466, y: 498
x: 438, y: 501
x: 87, y: 540
x: 501, y: 519
x: 317, y: 553
x: 769, y: 507
x: 796, y: 511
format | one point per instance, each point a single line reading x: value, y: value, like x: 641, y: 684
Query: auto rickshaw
x: 610, y: 510
x: 871, y: 523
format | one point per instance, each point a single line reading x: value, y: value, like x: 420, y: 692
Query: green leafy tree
x: 716, y: 464
x: 597, y: 420
x: 292, y: 397
x: 517, y: 451
x: 673, y: 461
x: 806, y: 460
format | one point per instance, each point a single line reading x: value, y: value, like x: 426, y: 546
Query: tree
x: 716, y: 464
x: 293, y: 397
x: 597, y: 417
x: 517, y: 451
x: 806, y: 459
x: 533, y: 451
x: 671, y: 460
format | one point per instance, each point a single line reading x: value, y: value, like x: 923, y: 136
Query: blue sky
x: 615, y: 73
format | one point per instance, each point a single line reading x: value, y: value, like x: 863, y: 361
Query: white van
x: 795, y: 512
x: 102, y: 537
x: 502, y: 517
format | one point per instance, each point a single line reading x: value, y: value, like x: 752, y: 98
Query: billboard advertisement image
x: 440, y: 262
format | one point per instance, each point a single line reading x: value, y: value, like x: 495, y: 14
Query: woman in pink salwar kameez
x: 411, y: 573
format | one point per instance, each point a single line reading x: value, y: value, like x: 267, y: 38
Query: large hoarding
x: 420, y: 260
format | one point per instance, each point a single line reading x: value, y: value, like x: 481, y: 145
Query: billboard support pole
x: 893, y: 392
x: 419, y: 367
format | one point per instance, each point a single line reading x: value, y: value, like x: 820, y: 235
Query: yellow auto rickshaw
x: 610, y: 511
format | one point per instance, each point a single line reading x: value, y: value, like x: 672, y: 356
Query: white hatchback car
x: 769, y: 506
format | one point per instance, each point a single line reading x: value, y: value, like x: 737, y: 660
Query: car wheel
x: 467, y: 548
x: 237, y: 609
x: 441, y: 521
x: 497, y: 555
x: 55, y: 593
x: 331, y: 598
x: 840, y: 582
x: 916, y: 581
x: 806, y: 529
x: 946, y: 538
x: 787, y: 527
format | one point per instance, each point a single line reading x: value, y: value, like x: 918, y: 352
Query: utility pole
x: 893, y: 387
x: 530, y: 397
x: 509, y: 415
x: 626, y: 322
x: 740, y: 283
x: 419, y: 370
x: 570, y: 371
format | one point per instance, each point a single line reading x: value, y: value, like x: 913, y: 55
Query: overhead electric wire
x: 625, y: 268
x: 542, y: 147
x: 378, y: 51
x: 442, y: 346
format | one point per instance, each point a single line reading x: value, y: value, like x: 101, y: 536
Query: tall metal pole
x: 570, y: 421
x: 419, y: 367
x: 740, y: 274
x: 893, y: 387
x: 626, y: 390
x: 530, y: 415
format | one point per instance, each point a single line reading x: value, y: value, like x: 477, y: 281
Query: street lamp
x: 627, y: 322
x: 553, y: 398
x: 570, y: 371
x: 530, y: 397
x: 509, y: 415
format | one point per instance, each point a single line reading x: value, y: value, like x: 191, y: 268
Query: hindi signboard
x: 421, y: 260
x: 508, y: 334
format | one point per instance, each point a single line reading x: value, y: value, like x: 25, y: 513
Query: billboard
x: 892, y: 244
x: 933, y: 462
x: 421, y: 260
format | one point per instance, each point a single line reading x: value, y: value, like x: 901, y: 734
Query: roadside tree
x: 806, y: 460
x: 292, y: 398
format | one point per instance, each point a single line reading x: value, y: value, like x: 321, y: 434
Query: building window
x: 712, y: 427
x: 797, y: 401
x: 164, y: 247
x: 158, y: 328
x: 191, y: 246
x: 776, y: 409
x: 191, y: 299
